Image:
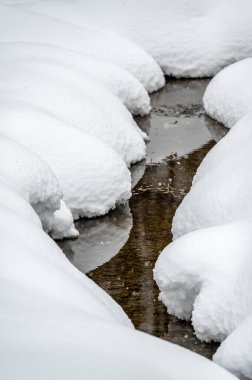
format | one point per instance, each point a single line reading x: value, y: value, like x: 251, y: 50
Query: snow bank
x: 13, y: 200
x: 56, y: 323
x: 228, y: 96
x: 76, y: 99
x: 124, y: 85
x: 235, y: 352
x: 187, y: 38
x: 207, y: 274
x: 27, y: 174
x: 31, y: 27
x: 221, y: 190
x: 91, y: 175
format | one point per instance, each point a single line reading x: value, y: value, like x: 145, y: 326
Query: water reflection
x: 181, y: 135
x: 100, y: 239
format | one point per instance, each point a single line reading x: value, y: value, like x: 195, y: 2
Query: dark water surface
x: 119, y: 251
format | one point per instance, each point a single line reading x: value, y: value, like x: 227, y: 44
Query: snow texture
x: 187, y: 38
x: 13, y: 200
x: 32, y: 178
x: 228, y: 97
x: 31, y: 27
x: 77, y: 100
x: 207, y: 274
x: 119, y: 81
x: 235, y: 352
x: 58, y: 324
x: 91, y: 175
x: 221, y: 185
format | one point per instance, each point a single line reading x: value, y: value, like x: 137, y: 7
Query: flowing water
x: 119, y: 250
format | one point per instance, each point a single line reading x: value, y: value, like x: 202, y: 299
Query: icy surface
x: 91, y: 175
x: 216, y: 198
x: 130, y: 91
x: 235, y: 352
x: 187, y: 38
x: 31, y: 27
x: 228, y: 97
x: 77, y: 100
x: 58, y: 323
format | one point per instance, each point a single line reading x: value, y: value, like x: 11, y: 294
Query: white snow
x: 228, y: 96
x: 187, y: 38
x: 91, y: 175
x: 235, y: 352
x: 206, y: 275
x: 13, y: 200
x: 222, y: 186
x: 56, y: 323
x: 124, y: 85
x: 77, y: 100
x: 31, y: 27
x: 32, y: 178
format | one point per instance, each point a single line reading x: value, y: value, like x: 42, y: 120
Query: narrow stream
x: 119, y: 251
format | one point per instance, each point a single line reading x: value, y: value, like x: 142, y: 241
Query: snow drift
x: 187, y: 38
x: 228, y: 96
x: 91, y: 175
x: 119, y: 81
x: 222, y: 186
x: 31, y: 27
x: 77, y: 100
x: 32, y: 178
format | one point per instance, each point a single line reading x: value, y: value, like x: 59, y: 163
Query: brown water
x: 119, y: 250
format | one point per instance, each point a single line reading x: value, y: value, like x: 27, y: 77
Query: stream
x: 118, y: 251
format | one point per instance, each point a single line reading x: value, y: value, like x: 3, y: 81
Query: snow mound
x: 207, y: 275
x: 56, y: 323
x: 32, y: 178
x: 228, y: 96
x: 32, y: 27
x: 235, y: 352
x: 76, y: 99
x: 124, y: 85
x: 91, y: 175
x: 45, y: 278
x: 221, y: 185
x: 14, y: 201
x: 187, y: 38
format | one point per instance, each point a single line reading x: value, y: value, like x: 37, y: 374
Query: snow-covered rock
x: 31, y: 27
x: 221, y: 190
x: 56, y: 323
x: 123, y: 84
x: 91, y: 175
x: 228, y: 96
x: 32, y: 178
x: 76, y: 99
x: 235, y: 352
x: 206, y: 275
x: 187, y: 38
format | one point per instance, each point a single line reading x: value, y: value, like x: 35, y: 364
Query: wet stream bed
x: 119, y: 250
